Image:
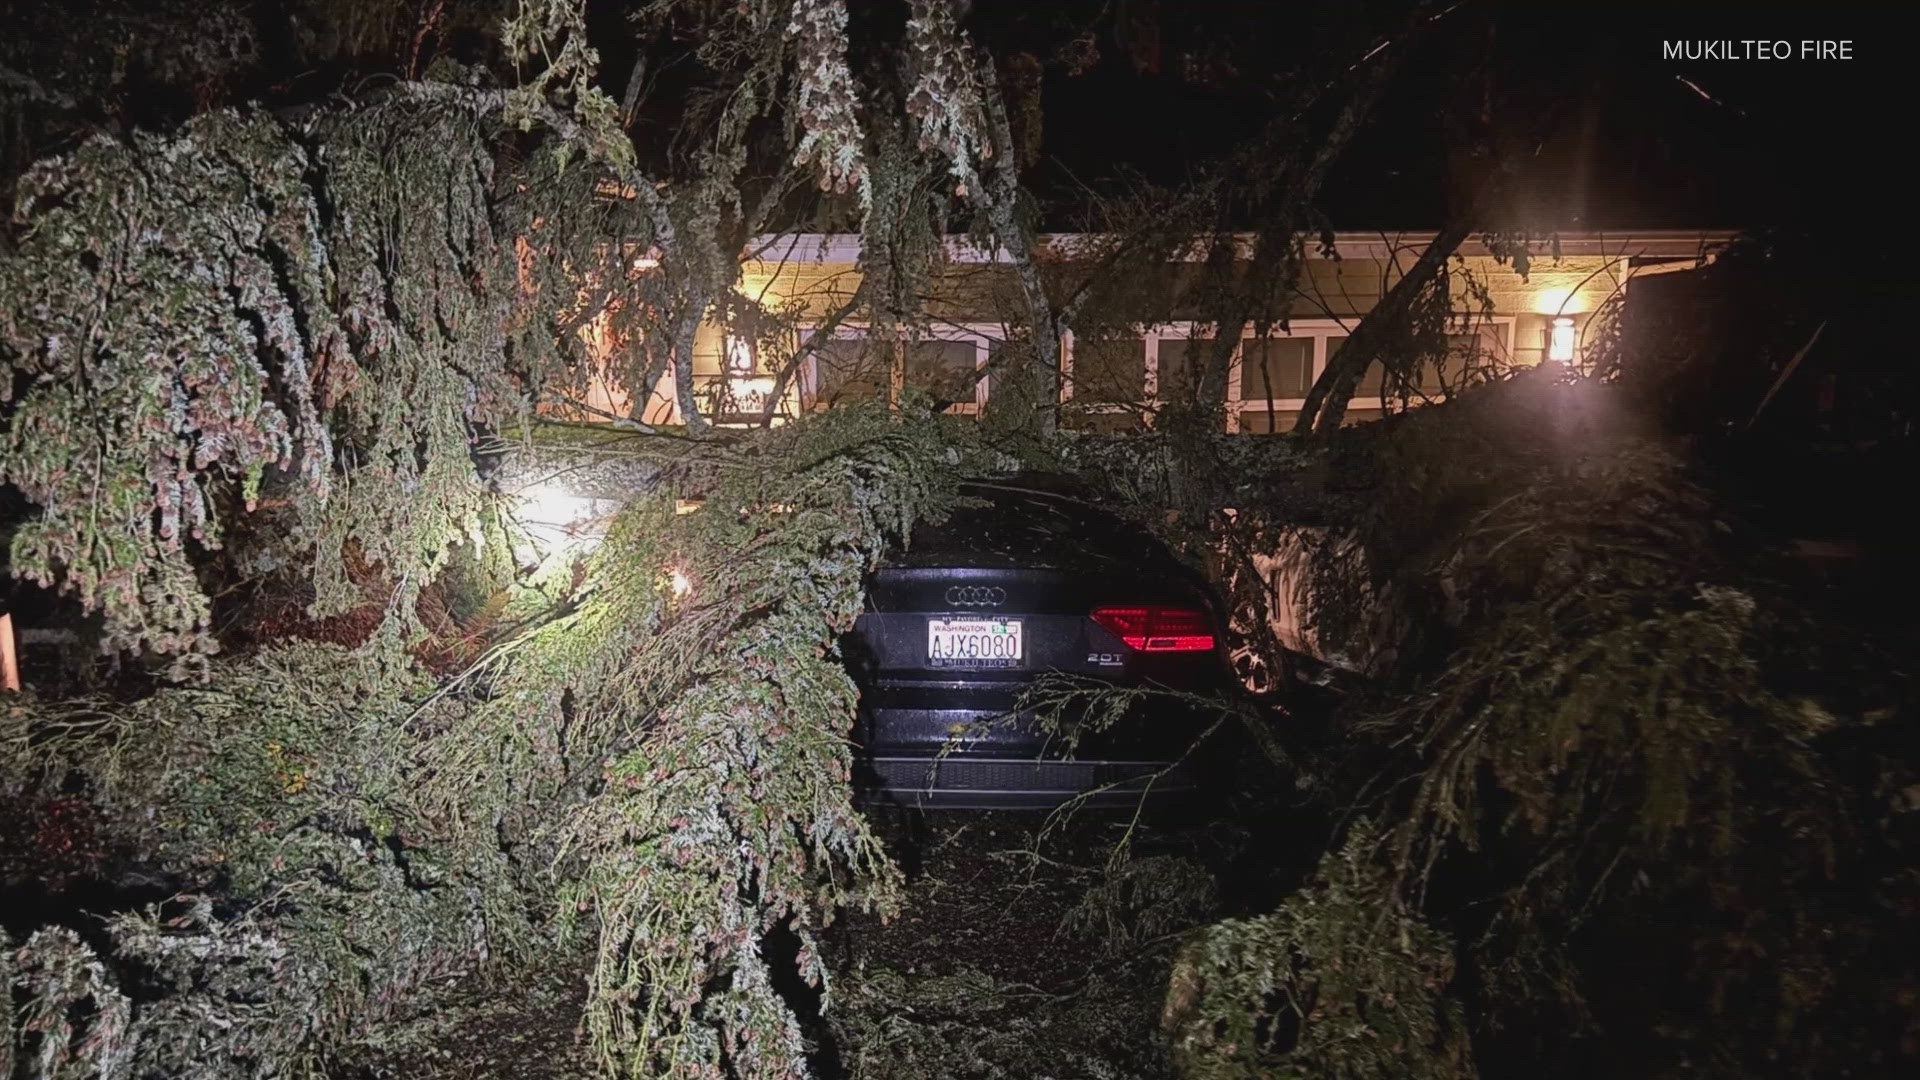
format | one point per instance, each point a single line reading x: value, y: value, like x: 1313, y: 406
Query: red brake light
x: 1158, y: 629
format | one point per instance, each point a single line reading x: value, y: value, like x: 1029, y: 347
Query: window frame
x: 1149, y: 387
x: 1320, y: 330
x: 807, y: 377
x: 985, y: 336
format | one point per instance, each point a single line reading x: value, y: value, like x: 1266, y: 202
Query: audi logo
x: 976, y: 595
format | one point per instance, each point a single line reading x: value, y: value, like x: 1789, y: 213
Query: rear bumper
x: 975, y: 783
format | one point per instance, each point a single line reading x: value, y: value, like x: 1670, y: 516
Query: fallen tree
x: 281, y: 346
x: 661, y: 769
x: 1601, y: 730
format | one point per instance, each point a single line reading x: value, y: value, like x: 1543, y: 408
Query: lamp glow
x: 1561, y: 339
x: 739, y: 357
x: 1560, y: 300
x: 553, y: 507
x: 750, y: 395
x: 556, y: 520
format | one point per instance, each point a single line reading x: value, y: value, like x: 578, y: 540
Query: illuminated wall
x: 809, y: 277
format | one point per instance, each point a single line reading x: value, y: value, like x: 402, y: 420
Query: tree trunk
x: 1326, y: 403
x: 1001, y: 194
x: 682, y: 353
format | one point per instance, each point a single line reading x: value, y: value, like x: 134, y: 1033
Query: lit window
x: 1560, y: 340
x: 850, y: 367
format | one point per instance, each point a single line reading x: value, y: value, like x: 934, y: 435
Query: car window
x: 1027, y: 521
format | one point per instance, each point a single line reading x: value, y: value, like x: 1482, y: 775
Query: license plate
x: 975, y: 643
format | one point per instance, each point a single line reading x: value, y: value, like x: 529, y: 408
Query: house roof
x: 1650, y: 244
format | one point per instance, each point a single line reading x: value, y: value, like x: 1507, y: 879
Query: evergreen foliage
x: 1592, y: 705
x: 243, y: 304
x: 324, y: 311
x: 698, y: 739
x: 1142, y: 900
x: 310, y: 894
x: 1594, y: 720
x: 1340, y: 981
x: 317, y: 318
x: 663, y: 771
x: 969, y: 1025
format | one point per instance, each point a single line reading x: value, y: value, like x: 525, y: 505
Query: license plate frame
x: 975, y: 643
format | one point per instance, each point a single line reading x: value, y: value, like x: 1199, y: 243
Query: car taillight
x: 1158, y: 629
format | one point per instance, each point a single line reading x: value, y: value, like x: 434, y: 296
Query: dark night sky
x: 1627, y: 143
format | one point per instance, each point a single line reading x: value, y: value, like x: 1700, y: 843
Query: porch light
x: 551, y: 507
x: 1560, y: 340
x: 739, y: 357
x: 1559, y: 300
x: 557, y: 520
x: 749, y: 395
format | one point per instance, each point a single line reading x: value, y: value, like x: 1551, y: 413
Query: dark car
x: 1034, y: 580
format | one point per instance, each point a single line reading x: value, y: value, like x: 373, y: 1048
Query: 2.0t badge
x: 976, y: 595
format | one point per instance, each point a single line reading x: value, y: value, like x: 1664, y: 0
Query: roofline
x: 836, y: 248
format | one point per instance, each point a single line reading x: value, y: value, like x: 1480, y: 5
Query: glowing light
x: 1561, y: 339
x: 1563, y: 300
x: 679, y: 582
x: 554, y: 507
x: 739, y: 356
x: 556, y: 519
x: 750, y: 395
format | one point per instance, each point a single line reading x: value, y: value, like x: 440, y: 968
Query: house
x: 1114, y: 376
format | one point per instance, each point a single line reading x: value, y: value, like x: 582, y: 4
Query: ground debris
x: 473, y: 1027
x: 986, y: 974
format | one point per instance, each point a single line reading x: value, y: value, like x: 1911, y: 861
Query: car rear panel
x: 947, y: 732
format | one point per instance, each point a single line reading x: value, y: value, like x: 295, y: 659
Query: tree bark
x: 682, y: 353
x: 1326, y: 403
x: 1001, y: 196
x: 1294, y: 184
x: 821, y: 333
